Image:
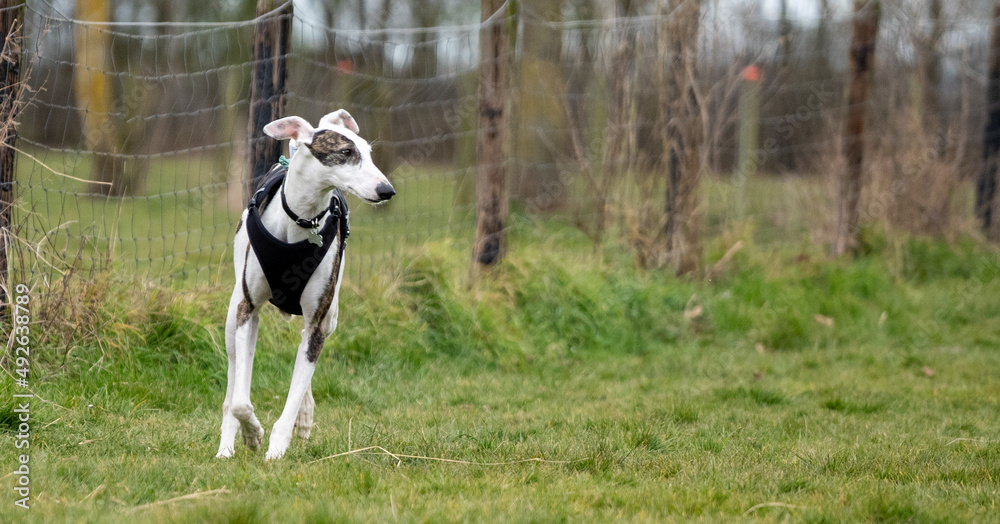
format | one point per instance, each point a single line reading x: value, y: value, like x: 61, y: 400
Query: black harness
x: 289, y: 266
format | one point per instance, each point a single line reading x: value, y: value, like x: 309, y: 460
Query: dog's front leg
x: 305, y: 365
x: 321, y: 320
x: 304, y: 420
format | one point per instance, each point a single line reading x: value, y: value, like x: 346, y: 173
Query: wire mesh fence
x: 134, y: 138
x: 133, y: 141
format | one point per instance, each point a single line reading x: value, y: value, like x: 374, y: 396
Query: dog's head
x: 333, y: 153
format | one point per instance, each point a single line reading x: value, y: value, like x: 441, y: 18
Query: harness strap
x: 288, y: 266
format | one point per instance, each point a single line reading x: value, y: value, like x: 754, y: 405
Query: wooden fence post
x: 10, y: 77
x: 862, y: 65
x: 986, y: 186
x: 491, y: 190
x: 267, y: 89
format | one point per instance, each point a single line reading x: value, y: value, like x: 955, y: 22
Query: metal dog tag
x: 315, y: 238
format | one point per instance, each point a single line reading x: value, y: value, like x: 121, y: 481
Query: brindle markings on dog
x: 316, y: 338
x: 246, y: 307
x: 333, y: 149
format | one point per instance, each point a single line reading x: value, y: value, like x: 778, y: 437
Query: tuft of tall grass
x: 553, y: 304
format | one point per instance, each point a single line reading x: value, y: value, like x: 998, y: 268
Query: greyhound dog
x: 291, y: 253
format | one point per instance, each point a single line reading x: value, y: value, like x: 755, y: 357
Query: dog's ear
x: 290, y: 127
x: 340, y: 117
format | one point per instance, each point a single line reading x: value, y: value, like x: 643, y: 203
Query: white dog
x: 289, y: 249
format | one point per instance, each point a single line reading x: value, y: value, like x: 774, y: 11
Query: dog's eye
x: 347, y: 152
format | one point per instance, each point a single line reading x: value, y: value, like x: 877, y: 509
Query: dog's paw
x: 278, y: 444
x: 274, y: 455
x: 304, y: 424
x: 253, y: 437
x: 276, y: 450
x: 224, y: 453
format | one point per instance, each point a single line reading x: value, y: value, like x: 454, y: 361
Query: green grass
x: 647, y: 413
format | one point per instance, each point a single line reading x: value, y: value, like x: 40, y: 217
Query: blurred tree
x: 784, y: 36
x: 867, y: 14
x: 619, y: 139
x: 683, y: 137
x: 589, y: 214
x: 427, y: 15
x: 102, y: 133
x: 540, y: 129
x: 986, y: 186
x: 369, y: 97
x: 579, y: 76
x: 821, y: 63
x: 385, y: 154
x: 90, y: 46
x: 332, y: 9
x: 931, y: 58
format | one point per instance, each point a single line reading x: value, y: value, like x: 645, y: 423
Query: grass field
x: 789, y: 387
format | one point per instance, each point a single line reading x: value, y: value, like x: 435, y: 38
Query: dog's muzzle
x: 384, y: 191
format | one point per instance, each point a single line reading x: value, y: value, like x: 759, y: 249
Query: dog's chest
x: 278, y: 224
x: 288, y: 260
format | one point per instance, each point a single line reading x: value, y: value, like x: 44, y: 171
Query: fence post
x: 986, y: 186
x: 10, y: 76
x: 491, y: 162
x: 267, y: 89
x: 862, y: 65
x: 749, y: 129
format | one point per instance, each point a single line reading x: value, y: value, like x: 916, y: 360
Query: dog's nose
x: 384, y: 191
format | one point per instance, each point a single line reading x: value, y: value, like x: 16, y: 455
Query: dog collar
x: 311, y: 224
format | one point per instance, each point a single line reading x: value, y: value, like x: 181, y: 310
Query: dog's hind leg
x: 252, y: 431
x: 304, y: 421
x: 229, y: 423
x: 250, y: 427
x: 243, y: 321
x: 237, y: 411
